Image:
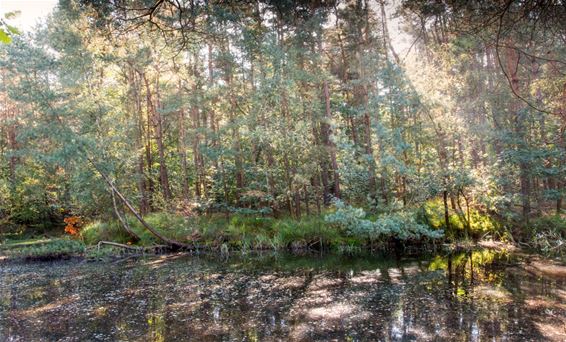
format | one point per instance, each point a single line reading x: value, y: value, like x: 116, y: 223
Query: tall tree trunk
x: 137, y: 108
x: 327, y: 137
x: 157, y: 122
x: 183, y: 155
x: 362, y: 94
x: 196, y: 153
x: 236, y: 144
x: 12, y: 143
x: 387, y: 46
x: 200, y: 183
x: 512, y: 64
x: 212, y: 114
x: 328, y: 162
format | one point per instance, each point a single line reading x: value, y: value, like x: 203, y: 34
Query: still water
x: 479, y: 296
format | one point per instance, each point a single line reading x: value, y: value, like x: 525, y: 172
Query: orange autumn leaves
x: 73, y: 226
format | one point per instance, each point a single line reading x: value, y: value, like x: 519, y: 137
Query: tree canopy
x: 282, y: 108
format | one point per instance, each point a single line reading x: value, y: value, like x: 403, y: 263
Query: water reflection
x: 474, y: 296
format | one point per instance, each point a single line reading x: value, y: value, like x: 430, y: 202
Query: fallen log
x: 129, y: 247
x: 171, y: 242
x: 123, y: 220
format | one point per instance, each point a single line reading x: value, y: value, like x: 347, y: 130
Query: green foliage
x: 241, y: 226
x: 432, y: 213
x: 239, y: 231
x: 273, y: 124
x: 350, y: 219
x: 269, y: 233
x: 401, y: 225
x: 171, y: 225
x: 96, y: 231
x: 307, y: 231
x: 43, y: 249
x: 404, y: 226
x: 548, y: 235
x: 7, y: 31
x: 4, y: 37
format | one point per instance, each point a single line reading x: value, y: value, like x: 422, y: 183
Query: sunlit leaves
x: 8, y: 31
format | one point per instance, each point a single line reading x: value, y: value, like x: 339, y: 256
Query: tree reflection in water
x: 473, y: 296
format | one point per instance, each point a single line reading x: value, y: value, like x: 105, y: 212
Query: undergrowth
x: 345, y: 229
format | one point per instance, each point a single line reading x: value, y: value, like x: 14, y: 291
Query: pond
x: 472, y: 296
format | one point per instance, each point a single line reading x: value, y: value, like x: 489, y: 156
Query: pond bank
x: 45, y: 249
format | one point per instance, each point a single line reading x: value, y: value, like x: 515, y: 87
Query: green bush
x: 97, y: 231
x: 432, y: 213
x: 404, y: 226
x: 547, y: 235
x: 401, y: 225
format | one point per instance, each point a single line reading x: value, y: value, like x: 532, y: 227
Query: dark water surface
x: 479, y: 296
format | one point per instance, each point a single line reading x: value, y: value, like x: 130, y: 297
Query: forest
x: 341, y: 125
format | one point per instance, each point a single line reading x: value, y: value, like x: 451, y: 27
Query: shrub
x: 350, y: 219
x: 401, y: 224
x: 432, y: 213
x: 174, y: 226
x: 547, y: 234
x: 96, y: 231
x: 404, y: 226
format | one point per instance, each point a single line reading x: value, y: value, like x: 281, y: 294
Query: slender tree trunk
x: 443, y: 163
x: 137, y: 215
x: 560, y: 181
x: 512, y: 65
x: 196, y: 154
x: 12, y: 144
x: 149, y: 161
x: 122, y: 218
x: 137, y: 109
x: 387, y: 46
x: 236, y: 144
x: 327, y: 136
x: 200, y: 183
x: 183, y: 155
x: 212, y: 114
x: 307, y: 208
x: 158, y: 129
